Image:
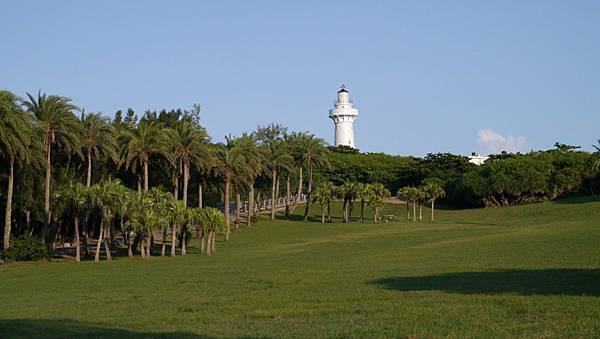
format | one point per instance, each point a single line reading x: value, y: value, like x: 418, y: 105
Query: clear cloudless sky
x: 426, y: 76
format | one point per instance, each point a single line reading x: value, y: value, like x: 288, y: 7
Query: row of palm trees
x: 44, y: 132
x: 367, y: 194
x: 429, y: 192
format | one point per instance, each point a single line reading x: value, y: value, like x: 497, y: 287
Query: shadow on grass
x: 521, y: 282
x: 581, y: 199
x: 65, y: 328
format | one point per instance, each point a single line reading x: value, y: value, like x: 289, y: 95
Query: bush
x: 255, y: 218
x: 26, y: 248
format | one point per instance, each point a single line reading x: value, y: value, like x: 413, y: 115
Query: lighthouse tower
x: 343, y: 115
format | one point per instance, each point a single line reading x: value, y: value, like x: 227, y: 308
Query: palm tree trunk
x: 47, y: 191
x: 163, y: 247
x: 106, y: 244
x: 202, y: 240
x: 287, y: 197
x: 146, y: 174
x: 209, y: 243
x: 362, y: 211
x: 238, y: 207
x: 299, y: 185
x: 213, y: 247
x: 149, y: 245
x: 226, y: 208
x: 328, y: 212
x: 200, y: 195
x: 420, y: 211
x: 345, y: 210
x: 322, y: 214
x: 414, y: 204
x: 139, y: 185
x: 308, y: 191
x: 173, y: 238
x: 9, y: 196
x: 186, y: 179
x: 432, y: 206
x: 142, y: 248
x: 97, y: 256
x: 407, y: 210
x: 183, y: 240
x: 89, y: 167
x: 129, y: 244
x: 76, y: 238
x: 250, y: 203
x: 274, y: 183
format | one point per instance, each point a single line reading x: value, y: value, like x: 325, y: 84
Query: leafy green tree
x: 58, y: 125
x: 16, y: 138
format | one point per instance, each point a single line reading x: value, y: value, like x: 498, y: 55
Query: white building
x: 343, y: 115
x: 477, y: 159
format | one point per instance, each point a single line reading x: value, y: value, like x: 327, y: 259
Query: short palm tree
x: 404, y: 193
x: 433, y: 191
x: 99, y: 139
x: 323, y: 196
x: 377, y: 193
x: 58, y: 125
x: 77, y: 197
x: 363, y: 193
x: 177, y: 217
x: 16, y: 137
x: 105, y: 196
x: 139, y: 144
x: 212, y: 221
x: 348, y: 192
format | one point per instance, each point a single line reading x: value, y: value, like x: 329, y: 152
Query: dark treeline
x: 504, y: 179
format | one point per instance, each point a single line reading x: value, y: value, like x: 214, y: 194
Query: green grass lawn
x: 526, y: 271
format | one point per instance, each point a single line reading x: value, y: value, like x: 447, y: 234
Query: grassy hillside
x: 530, y: 271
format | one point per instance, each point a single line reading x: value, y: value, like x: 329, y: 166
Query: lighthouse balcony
x: 347, y: 102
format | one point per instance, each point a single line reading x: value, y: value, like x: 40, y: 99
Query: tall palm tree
x: 276, y: 157
x: 314, y: 153
x: 229, y: 159
x: 404, y: 193
x: 99, y: 139
x: 16, y: 135
x: 252, y: 168
x: 139, y: 144
x: 188, y: 143
x: 296, y: 142
x: 58, y: 125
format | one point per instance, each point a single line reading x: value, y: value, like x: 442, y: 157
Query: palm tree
x: 139, y: 144
x: 77, y: 196
x: 105, y: 196
x: 212, y: 221
x: 177, y: 217
x: 16, y: 135
x: 98, y: 138
x: 59, y: 126
x: 253, y: 166
x: 228, y: 158
x: 377, y: 193
x: 295, y: 142
x: 404, y: 193
x: 323, y: 196
x: 188, y: 143
x: 412, y: 194
x: 126, y: 207
x: 433, y: 191
x: 596, y: 165
x: 348, y: 193
x: 160, y: 204
x: 363, y: 193
x: 314, y: 153
x: 276, y: 158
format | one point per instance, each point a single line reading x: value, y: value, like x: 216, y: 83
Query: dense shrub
x: 26, y: 248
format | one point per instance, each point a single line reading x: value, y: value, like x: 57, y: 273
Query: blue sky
x: 426, y: 76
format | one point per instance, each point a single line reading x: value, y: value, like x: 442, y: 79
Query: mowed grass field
x: 525, y: 271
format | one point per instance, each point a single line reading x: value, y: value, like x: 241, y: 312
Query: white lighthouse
x: 343, y: 115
